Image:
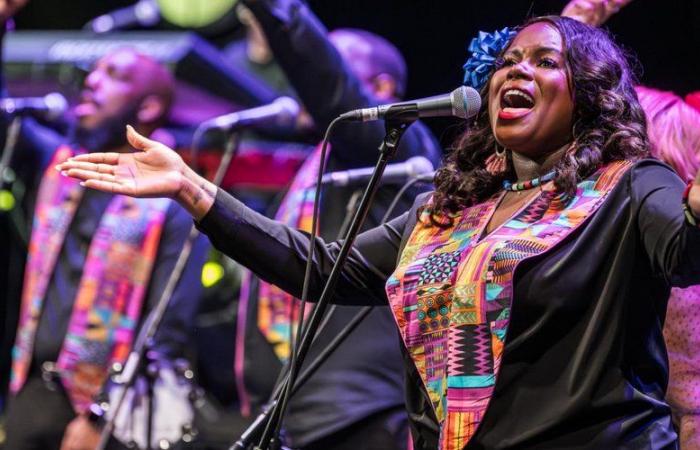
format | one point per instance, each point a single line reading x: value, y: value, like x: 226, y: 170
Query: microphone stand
x: 349, y: 210
x: 395, y: 129
x: 136, y: 362
x: 9, y: 148
x: 255, y: 429
x: 7, y: 176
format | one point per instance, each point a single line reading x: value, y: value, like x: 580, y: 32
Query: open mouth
x: 515, y: 103
x: 87, y: 105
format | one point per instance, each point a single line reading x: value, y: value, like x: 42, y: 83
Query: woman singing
x: 530, y: 288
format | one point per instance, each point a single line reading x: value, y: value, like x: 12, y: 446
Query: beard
x: 109, y: 135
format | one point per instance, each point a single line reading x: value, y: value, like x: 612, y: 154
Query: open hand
x: 153, y: 170
x: 593, y: 12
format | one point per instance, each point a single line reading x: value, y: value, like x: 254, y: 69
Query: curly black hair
x: 608, y: 124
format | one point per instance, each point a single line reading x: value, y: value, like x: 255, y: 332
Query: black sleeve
x: 278, y: 254
x: 326, y: 85
x: 672, y: 244
x: 174, y: 331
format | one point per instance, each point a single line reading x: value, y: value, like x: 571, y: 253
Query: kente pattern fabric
x: 451, y: 294
x: 111, y: 290
x: 278, y: 312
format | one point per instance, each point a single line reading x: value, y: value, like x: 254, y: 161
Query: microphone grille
x: 289, y: 110
x: 466, y: 102
x: 419, y: 165
x: 147, y: 13
x: 56, y: 105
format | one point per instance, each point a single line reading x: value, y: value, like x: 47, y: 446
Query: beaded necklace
x: 529, y: 184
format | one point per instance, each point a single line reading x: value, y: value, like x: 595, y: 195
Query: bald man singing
x: 96, y: 263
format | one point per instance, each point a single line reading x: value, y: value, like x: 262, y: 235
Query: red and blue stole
x: 111, y: 291
x: 451, y: 294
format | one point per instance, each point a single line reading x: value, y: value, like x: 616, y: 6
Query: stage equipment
x: 281, y: 113
x: 396, y: 173
x: 159, y: 409
x: 58, y: 60
x: 197, y: 14
x: 145, y: 13
x: 463, y: 102
x: 395, y: 124
x: 49, y: 107
x: 148, y: 13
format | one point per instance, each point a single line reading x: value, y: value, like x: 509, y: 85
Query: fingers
x: 87, y: 166
x: 138, y: 141
x: 105, y: 158
x: 87, y: 175
x: 108, y: 186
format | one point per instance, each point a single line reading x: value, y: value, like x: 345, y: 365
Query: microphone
x: 49, y: 107
x: 145, y: 13
x: 282, y: 112
x: 427, y: 177
x: 394, y: 173
x: 464, y: 102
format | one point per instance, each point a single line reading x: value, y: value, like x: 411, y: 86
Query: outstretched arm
x: 273, y: 251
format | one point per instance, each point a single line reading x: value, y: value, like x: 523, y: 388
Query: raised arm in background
x: 327, y: 86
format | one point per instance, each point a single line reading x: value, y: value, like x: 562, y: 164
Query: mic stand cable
x: 395, y: 130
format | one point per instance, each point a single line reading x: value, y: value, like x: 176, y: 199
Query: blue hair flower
x: 484, y: 49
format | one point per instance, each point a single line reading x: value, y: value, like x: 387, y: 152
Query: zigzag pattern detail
x: 536, y: 210
x: 456, y: 352
x: 482, y: 350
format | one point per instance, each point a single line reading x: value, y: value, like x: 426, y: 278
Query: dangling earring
x: 496, y: 163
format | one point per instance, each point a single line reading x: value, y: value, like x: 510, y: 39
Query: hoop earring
x: 496, y: 163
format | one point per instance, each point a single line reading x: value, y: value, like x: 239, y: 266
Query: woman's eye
x: 548, y: 63
x: 506, y: 62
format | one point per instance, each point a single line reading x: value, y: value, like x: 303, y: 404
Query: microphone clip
x: 400, y: 113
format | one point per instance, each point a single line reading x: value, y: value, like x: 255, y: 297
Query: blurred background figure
x: 355, y: 400
x: 674, y: 131
x: 95, y: 262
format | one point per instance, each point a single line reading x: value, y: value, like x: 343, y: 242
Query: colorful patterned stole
x: 278, y: 312
x: 111, y: 290
x: 451, y: 294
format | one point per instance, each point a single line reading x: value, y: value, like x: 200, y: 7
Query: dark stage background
x: 433, y: 34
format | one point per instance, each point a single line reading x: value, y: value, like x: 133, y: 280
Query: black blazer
x: 584, y: 364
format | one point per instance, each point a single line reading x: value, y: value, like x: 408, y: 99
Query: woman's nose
x: 521, y: 70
